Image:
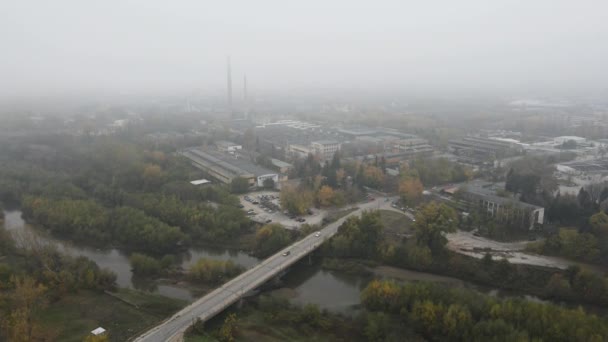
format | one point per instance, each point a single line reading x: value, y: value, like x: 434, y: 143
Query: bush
x: 145, y: 265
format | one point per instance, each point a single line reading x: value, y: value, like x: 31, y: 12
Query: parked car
x: 268, y: 221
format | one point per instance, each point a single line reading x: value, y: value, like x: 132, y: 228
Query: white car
x: 317, y: 234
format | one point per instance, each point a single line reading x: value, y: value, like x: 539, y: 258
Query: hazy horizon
x: 136, y: 47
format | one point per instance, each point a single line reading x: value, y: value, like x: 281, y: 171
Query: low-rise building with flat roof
x: 482, y: 195
x: 227, y: 146
x: 281, y: 166
x: 227, y: 167
x: 325, y: 148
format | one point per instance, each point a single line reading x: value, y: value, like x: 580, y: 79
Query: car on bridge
x: 286, y: 253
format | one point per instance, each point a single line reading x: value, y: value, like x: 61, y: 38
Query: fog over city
x: 276, y: 170
x: 429, y: 47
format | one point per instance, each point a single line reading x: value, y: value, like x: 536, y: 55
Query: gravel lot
x: 277, y: 216
x: 468, y: 244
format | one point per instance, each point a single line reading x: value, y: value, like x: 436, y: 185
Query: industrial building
x: 482, y: 195
x: 281, y: 166
x: 299, y: 151
x: 325, y: 149
x: 225, y: 168
x: 413, y: 146
x: 480, y: 149
x: 227, y: 146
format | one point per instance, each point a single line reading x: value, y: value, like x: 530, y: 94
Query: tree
x: 326, y: 196
x: 268, y: 183
x: 226, y: 333
x: 296, y: 201
x: 410, y: 189
x: 213, y: 271
x: 144, y: 265
x: 239, y: 185
x: 26, y: 300
x: 152, y: 175
x: 270, y: 238
x: 457, y: 322
x: 432, y: 222
x: 372, y: 176
x: 97, y: 338
x: 377, y: 326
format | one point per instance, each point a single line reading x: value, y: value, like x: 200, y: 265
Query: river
x: 304, y: 283
x: 118, y: 262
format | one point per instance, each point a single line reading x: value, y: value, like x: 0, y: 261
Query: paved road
x: 213, y: 303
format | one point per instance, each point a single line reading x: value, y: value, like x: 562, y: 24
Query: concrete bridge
x: 216, y: 301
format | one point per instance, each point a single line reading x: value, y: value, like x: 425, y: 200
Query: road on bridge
x: 216, y: 301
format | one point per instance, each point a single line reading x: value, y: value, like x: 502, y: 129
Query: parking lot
x: 265, y: 207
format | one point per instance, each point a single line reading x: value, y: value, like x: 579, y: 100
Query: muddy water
x: 118, y: 262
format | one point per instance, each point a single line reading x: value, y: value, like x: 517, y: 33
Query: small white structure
x: 228, y: 146
x: 98, y: 331
x: 200, y: 182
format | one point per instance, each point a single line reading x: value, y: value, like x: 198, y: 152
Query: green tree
x: 377, y: 326
x: 294, y: 200
x: 226, y: 333
x: 239, y: 185
x: 144, y: 265
x: 25, y: 302
x: 432, y: 221
x: 270, y: 238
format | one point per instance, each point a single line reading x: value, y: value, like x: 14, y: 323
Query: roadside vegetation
x: 363, y: 239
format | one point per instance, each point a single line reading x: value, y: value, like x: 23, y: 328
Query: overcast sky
x: 174, y: 46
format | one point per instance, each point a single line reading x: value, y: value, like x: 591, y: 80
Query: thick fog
x: 151, y: 45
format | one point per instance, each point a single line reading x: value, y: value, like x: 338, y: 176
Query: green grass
x: 395, y: 223
x: 75, y: 315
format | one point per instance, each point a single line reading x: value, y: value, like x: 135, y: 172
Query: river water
x: 118, y: 262
x: 304, y: 283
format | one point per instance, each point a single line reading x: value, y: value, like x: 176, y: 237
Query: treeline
x: 91, y: 178
x: 270, y: 238
x: 363, y: 239
x: 213, y: 271
x: 200, y: 221
x: 358, y: 237
x: 85, y: 220
x: 589, y: 244
x: 440, y: 313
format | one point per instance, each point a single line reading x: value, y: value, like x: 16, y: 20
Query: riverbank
x: 272, y: 317
x: 118, y: 261
x: 123, y: 314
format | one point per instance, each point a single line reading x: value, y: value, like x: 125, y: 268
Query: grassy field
x: 395, y: 223
x: 75, y: 315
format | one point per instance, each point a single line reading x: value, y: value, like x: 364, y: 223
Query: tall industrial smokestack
x: 245, y: 88
x: 229, y: 85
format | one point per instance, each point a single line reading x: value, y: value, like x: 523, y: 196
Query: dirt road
x: 468, y: 244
